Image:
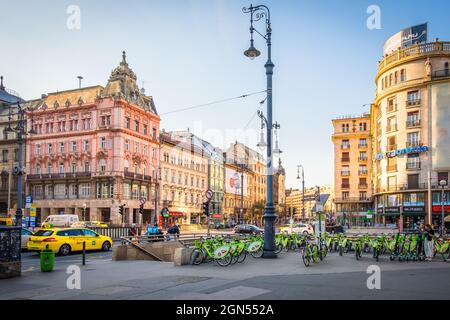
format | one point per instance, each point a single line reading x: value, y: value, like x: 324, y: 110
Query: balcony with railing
x: 56, y: 176
x: 362, y: 159
x: 437, y: 48
x: 445, y: 73
x: 413, y: 103
x: 363, y: 172
x: 412, y: 144
x: 362, y: 145
x: 391, y: 108
x: 345, y: 146
x: 413, y: 123
x: 345, y: 173
x: 391, y: 128
x: 363, y: 186
x: 345, y: 185
x: 345, y: 159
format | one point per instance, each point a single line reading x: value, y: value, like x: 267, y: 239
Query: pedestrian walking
x: 429, y: 242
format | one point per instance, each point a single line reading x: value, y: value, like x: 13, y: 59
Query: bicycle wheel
x: 225, y: 261
x: 279, y: 248
x: 196, y: 257
x: 257, y: 254
x: 306, y: 258
x: 242, y: 256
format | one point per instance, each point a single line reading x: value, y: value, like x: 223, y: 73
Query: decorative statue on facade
x: 428, y: 67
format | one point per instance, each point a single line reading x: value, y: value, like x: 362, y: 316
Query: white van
x: 60, y: 220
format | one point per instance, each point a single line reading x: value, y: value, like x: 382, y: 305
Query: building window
x: 154, y: 133
x: 49, y: 148
x: 38, y: 169
x: 5, y: 155
x: 392, y: 183
x: 392, y: 105
x: 403, y: 75
x: 345, y: 195
x: 49, y: 168
x: 136, y: 126
x: 345, y: 127
x: 363, y: 142
x: 126, y: 190
x: 37, y: 149
x: 362, y: 156
x: 127, y: 123
x: 102, y: 142
x: 363, y: 169
x: 345, y: 171
x: 136, y: 147
x: 126, y: 165
x: 74, y: 146
x: 127, y: 145
x: 74, y: 167
x: 87, y: 167
x: 85, y: 145
x: 363, y: 126
x: 145, y: 129
x: 345, y: 144
x: 85, y: 190
x: 61, y: 147
x: 412, y: 139
x: 413, y: 161
x: 392, y: 143
x: 413, y: 98
x: 345, y: 183
x: 102, y: 165
x: 61, y: 168
x: 49, y: 191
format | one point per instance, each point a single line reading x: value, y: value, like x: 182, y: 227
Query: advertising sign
x: 414, y: 209
x: 440, y: 117
x: 233, y: 182
x: 406, y: 38
x: 32, y: 211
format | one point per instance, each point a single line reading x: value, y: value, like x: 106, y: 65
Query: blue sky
x: 190, y: 52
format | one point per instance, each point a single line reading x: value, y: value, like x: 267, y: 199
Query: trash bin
x: 47, y: 258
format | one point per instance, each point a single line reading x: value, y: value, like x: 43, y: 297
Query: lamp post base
x: 269, y: 233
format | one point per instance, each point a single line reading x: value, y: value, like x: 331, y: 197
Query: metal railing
x: 115, y: 233
x: 424, y: 49
x: 413, y: 123
x: 441, y: 74
x: 413, y: 103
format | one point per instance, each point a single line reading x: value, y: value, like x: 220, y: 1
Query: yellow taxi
x: 6, y: 221
x: 67, y: 240
x: 99, y: 224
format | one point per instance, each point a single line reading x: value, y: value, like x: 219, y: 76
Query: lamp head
x: 252, y: 52
x: 442, y: 183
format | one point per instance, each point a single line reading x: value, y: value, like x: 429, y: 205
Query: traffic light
x: 206, y: 208
x: 294, y: 211
x: 141, y: 209
x: 121, y: 208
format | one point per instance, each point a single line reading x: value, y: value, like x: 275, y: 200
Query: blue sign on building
x: 399, y: 152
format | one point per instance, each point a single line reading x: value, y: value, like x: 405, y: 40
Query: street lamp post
x: 303, y: 190
x: 442, y: 183
x: 257, y: 13
x: 84, y: 211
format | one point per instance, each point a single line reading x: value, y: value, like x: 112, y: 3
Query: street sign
x: 28, y: 201
x: 32, y: 211
x: 319, y: 207
x: 208, y: 194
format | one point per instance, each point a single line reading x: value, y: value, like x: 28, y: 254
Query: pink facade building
x: 96, y: 148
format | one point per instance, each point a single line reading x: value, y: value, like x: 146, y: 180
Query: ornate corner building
x: 410, y: 127
x: 96, y: 148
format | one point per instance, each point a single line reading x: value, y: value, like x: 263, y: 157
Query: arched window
x: 390, y: 79
x: 396, y: 77
x: 402, y: 75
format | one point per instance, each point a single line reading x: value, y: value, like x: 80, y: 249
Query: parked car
x: 6, y: 221
x: 26, y: 234
x: 297, y: 228
x: 67, y: 240
x: 60, y: 220
x: 247, y: 229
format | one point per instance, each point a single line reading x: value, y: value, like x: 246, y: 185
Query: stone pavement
x: 283, y: 278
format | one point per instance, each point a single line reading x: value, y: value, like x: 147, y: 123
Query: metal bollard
x: 84, y: 253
